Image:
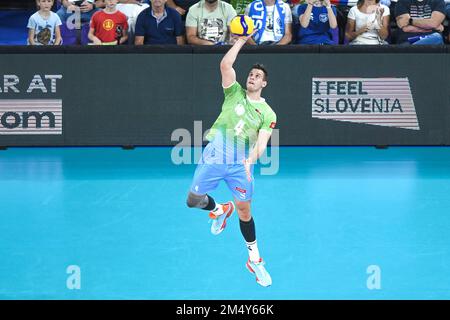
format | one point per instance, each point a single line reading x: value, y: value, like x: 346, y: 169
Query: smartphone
x: 77, y: 2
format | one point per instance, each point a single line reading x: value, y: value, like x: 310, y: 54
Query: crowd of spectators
x: 206, y: 22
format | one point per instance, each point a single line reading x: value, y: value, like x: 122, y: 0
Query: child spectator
x: 43, y: 26
x: 109, y: 26
x: 368, y: 23
x: 317, y: 18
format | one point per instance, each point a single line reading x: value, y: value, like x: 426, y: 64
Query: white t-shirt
x: 44, y: 28
x: 268, y: 34
x: 361, y: 19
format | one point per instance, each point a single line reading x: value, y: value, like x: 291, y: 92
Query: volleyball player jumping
x: 237, y: 139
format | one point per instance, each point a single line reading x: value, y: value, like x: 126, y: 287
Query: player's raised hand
x: 251, y: 34
x: 235, y: 37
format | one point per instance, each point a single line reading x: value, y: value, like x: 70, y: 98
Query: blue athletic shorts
x: 210, y: 172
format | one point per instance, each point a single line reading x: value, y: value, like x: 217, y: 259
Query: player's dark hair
x: 261, y: 67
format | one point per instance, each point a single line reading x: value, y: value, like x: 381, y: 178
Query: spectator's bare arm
x: 433, y: 23
x: 384, y: 30
x: 31, y: 37
x: 69, y: 6
x: 180, y: 40
x: 287, y: 38
x: 93, y: 38
x: 192, y: 38
x: 413, y: 29
x: 139, y: 40
x: 350, y: 30
x: 403, y: 21
x: 58, y: 37
x: 305, y: 18
x: 331, y: 16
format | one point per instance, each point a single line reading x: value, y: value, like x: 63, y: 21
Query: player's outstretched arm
x: 257, y: 151
x: 226, y: 65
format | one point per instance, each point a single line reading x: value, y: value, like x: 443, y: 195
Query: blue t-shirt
x: 318, y: 30
x: 44, y: 29
x: 165, y: 31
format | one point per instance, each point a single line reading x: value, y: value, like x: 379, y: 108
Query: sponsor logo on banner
x: 30, y: 116
x: 374, y: 101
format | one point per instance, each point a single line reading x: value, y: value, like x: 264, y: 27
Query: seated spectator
x: 159, y: 24
x: 108, y: 26
x: 420, y: 22
x: 182, y: 6
x: 76, y: 11
x: 43, y: 26
x: 317, y: 19
x: 207, y: 22
x: 368, y: 23
x: 273, y: 20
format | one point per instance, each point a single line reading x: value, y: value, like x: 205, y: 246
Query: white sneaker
x: 257, y: 268
x: 220, y: 218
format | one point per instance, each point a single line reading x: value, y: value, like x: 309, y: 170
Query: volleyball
x: 242, y: 25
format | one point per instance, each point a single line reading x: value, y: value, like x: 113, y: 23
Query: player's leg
x: 201, y: 201
x: 248, y: 230
x: 206, y: 178
x: 242, y: 190
x: 255, y: 264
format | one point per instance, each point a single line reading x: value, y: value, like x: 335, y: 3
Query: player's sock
x: 253, y: 251
x: 249, y: 232
x: 211, y: 205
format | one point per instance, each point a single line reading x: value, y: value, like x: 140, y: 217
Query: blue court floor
x: 324, y: 223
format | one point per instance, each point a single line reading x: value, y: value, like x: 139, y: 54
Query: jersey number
x: 239, y: 127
